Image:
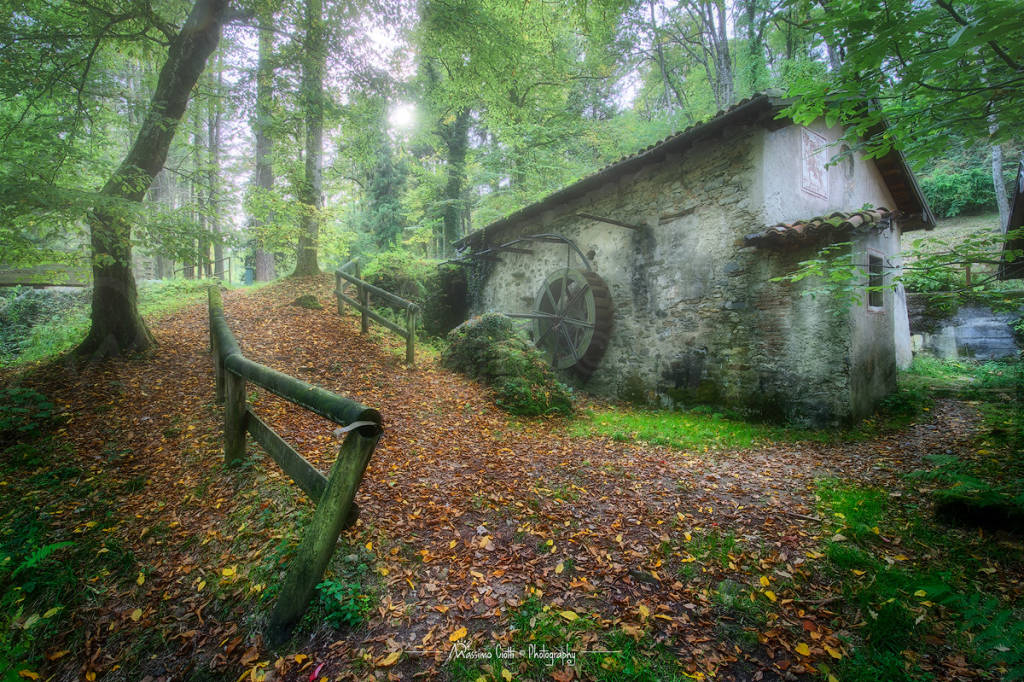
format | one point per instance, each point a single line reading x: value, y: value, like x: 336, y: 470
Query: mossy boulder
x: 307, y: 301
x: 493, y: 349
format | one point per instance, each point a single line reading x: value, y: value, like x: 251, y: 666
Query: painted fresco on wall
x: 814, y: 178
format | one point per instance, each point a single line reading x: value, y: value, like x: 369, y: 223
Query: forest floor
x: 529, y: 551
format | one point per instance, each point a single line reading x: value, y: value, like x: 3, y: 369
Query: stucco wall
x: 696, y: 317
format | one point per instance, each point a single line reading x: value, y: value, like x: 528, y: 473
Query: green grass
x: 537, y: 628
x: 947, y: 594
x: 694, y: 430
x: 64, y: 331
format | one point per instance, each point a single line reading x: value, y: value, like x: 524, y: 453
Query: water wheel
x: 572, y: 320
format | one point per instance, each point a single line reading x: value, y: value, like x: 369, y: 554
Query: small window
x: 875, y: 282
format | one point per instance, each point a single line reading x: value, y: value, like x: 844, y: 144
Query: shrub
x: 493, y: 349
x: 438, y: 289
x: 965, y: 191
x: 23, y: 413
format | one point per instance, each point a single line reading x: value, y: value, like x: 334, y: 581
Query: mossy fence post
x: 334, y: 495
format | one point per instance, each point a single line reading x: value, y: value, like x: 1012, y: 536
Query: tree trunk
x: 263, y: 261
x: 456, y: 139
x: 1002, y: 201
x: 213, y: 174
x: 313, y: 65
x: 117, y: 326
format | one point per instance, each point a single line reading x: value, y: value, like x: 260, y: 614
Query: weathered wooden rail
x: 362, y: 304
x: 334, y: 495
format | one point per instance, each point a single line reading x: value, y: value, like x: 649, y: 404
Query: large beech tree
x: 117, y: 326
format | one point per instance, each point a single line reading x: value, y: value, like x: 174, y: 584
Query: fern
x: 40, y: 555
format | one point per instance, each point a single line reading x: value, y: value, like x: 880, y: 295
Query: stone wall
x: 697, y: 318
x: 968, y: 331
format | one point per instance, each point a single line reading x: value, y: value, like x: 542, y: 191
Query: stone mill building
x: 653, y: 278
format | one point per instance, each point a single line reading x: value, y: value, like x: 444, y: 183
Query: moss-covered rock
x: 493, y: 349
x: 307, y: 301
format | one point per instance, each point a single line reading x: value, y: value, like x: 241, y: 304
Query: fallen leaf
x: 389, y: 660
x: 569, y: 615
x: 457, y: 635
x: 803, y: 649
x: 136, y: 615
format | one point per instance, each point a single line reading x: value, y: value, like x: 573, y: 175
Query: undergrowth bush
x: 23, y: 414
x: 493, y: 349
x: 438, y: 289
x: 951, y: 193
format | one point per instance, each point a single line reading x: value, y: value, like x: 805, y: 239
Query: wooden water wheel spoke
x: 572, y: 320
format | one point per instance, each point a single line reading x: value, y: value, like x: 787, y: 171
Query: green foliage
x: 24, y: 412
x: 932, y: 66
x: 952, y: 193
x: 693, y: 430
x: 49, y: 323
x: 493, y: 349
x: 899, y: 600
x: 345, y: 603
x: 438, y: 289
x: 856, y: 511
x: 307, y: 301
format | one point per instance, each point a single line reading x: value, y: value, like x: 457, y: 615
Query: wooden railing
x: 193, y: 267
x: 362, y: 304
x: 334, y: 495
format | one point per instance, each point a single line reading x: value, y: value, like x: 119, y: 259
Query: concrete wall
x: 696, y: 317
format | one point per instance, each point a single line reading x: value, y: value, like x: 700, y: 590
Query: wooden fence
x: 334, y: 495
x: 362, y: 304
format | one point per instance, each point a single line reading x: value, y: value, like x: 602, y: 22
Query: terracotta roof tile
x: 802, y: 231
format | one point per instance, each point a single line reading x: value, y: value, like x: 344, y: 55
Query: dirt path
x: 465, y: 513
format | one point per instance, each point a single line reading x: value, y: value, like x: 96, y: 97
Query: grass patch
x: 544, y: 641
x: 50, y: 329
x: 912, y: 609
x: 696, y: 430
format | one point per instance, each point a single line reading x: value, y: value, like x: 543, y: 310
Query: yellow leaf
x: 457, y: 635
x: 687, y: 536
x: 920, y: 593
x: 857, y: 571
x: 90, y: 676
x: 28, y: 675
x: 451, y: 545
x: 901, y: 557
x: 136, y: 614
x: 200, y: 586
x: 833, y: 652
x: 50, y: 613
x: 803, y: 649
x: 141, y: 579
x: 764, y: 581
x: 228, y: 572
x: 506, y: 675
x: 383, y: 571
x: 771, y: 595
x: 559, y: 568
x: 389, y: 660
x: 643, y: 611
x: 369, y: 546
x: 299, y: 658
x: 568, y: 615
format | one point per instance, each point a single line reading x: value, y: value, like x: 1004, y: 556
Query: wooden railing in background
x: 334, y: 495
x: 362, y: 304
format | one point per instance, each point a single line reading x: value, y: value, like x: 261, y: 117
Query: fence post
x: 235, y: 416
x: 364, y: 301
x: 311, y: 559
x: 410, y: 340
x: 337, y: 292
